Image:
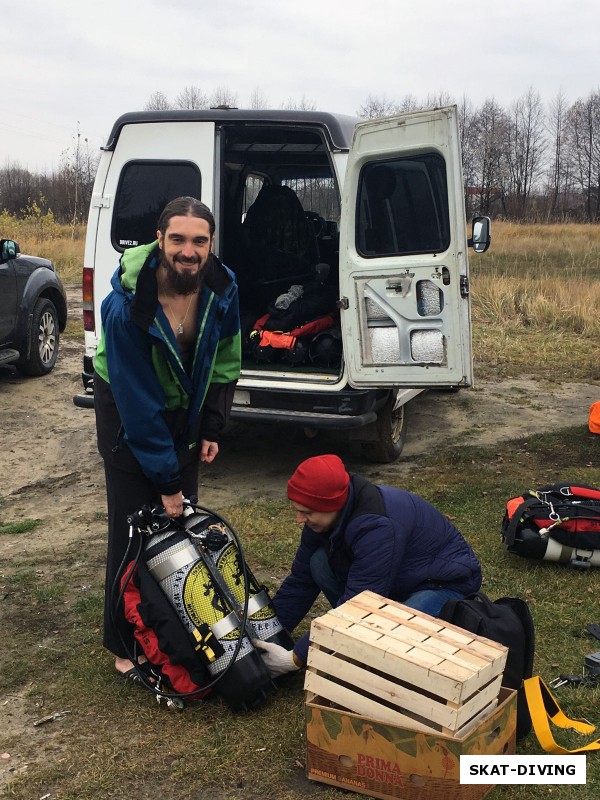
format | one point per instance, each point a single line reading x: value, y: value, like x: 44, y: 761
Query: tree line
x: 66, y: 191
x: 529, y: 161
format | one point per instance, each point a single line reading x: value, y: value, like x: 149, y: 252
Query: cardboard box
x: 363, y: 755
x: 388, y: 662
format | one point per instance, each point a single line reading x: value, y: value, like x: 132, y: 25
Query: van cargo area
x: 328, y: 341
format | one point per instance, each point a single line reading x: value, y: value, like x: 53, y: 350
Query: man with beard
x: 165, y: 372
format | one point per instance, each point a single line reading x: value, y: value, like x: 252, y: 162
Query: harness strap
x: 544, y: 709
x: 511, y: 530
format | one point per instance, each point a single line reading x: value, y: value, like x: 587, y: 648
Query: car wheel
x: 391, y: 427
x: 44, y: 339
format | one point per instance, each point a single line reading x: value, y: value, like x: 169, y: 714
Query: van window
x: 252, y: 187
x: 403, y: 207
x: 145, y: 187
x: 317, y: 194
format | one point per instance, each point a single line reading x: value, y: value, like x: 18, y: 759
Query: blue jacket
x: 387, y: 540
x: 139, y: 357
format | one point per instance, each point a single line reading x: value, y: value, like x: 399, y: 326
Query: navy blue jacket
x: 387, y: 540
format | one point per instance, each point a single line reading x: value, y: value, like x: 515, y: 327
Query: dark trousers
x: 126, y: 493
x: 127, y: 490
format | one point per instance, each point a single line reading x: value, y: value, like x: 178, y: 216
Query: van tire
x: 391, y: 427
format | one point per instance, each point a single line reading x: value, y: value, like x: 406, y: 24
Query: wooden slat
x: 388, y: 662
x: 441, y: 658
x: 479, y: 701
x: 477, y: 647
x: 430, y: 651
x: 410, y: 699
x: 452, y: 631
x: 466, y: 729
x: 354, y: 701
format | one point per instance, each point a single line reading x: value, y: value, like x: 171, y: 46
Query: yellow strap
x: 544, y: 709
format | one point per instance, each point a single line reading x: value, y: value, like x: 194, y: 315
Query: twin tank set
x: 198, y: 563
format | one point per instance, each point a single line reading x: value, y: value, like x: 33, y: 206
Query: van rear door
x: 152, y: 163
x: 404, y: 282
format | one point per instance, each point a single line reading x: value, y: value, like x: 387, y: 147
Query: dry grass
x: 38, y: 234
x: 567, y: 252
x: 535, y: 296
x: 535, y: 293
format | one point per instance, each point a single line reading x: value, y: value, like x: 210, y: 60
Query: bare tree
x: 376, y: 107
x: 304, y: 104
x: 223, y: 97
x: 490, y: 132
x: 584, y: 140
x: 467, y: 127
x: 407, y: 104
x: 558, y: 165
x: 438, y: 99
x: 525, y: 148
x: 158, y: 101
x: 258, y: 99
x: 191, y: 97
x: 17, y: 187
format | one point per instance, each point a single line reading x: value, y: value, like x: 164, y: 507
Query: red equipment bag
x: 559, y: 523
x: 161, y: 635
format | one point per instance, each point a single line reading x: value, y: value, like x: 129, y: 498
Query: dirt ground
x: 52, y: 471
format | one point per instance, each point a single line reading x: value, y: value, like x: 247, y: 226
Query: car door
x: 8, y: 301
x: 404, y: 283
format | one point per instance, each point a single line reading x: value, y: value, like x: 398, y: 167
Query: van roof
x: 338, y: 127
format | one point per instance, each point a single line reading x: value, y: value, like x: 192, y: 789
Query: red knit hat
x: 320, y: 483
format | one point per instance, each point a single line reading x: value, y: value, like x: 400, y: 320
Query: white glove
x: 277, y: 659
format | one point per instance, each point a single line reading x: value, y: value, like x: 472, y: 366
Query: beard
x: 181, y: 282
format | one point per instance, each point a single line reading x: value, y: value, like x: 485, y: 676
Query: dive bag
x: 200, y: 638
x: 291, y: 345
x: 560, y: 522
x: 508, y: 621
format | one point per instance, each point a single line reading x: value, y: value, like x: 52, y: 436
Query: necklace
x: 179, y: 330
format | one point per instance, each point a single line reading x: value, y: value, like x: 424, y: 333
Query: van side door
x: 404, y: 282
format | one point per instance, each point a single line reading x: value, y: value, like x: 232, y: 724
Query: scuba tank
x: 179, y: 556
x: 261, y: 619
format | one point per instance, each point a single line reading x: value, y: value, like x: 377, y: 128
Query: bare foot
x: 123, y: 665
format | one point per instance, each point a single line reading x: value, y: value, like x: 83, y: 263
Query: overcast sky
x: 76, y: 65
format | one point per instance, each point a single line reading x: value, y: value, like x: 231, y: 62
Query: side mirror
x: 8, y: 249
x: 481, y: 234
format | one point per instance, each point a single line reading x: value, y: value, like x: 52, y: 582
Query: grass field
x: 535, y: 306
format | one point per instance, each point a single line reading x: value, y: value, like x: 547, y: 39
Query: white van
x: 365, y: 220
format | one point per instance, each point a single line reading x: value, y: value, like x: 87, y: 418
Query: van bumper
x: 308, y: 419
x: 343, y: 410
x: 86, y: 400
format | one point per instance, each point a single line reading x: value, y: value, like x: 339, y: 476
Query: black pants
x: 127, y: 490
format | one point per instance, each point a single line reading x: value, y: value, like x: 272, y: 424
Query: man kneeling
x: 357, y: 536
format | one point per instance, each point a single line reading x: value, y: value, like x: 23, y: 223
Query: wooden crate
x: 391, y: 663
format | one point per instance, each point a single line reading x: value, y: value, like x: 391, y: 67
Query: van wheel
x: 391, y: 427
x: 44, y: 339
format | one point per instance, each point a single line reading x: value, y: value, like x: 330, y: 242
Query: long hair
x: 185, y: 207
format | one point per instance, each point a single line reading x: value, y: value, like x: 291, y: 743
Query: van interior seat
x: 279, y: 242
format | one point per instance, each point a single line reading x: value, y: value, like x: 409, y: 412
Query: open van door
x: 404, y: 282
